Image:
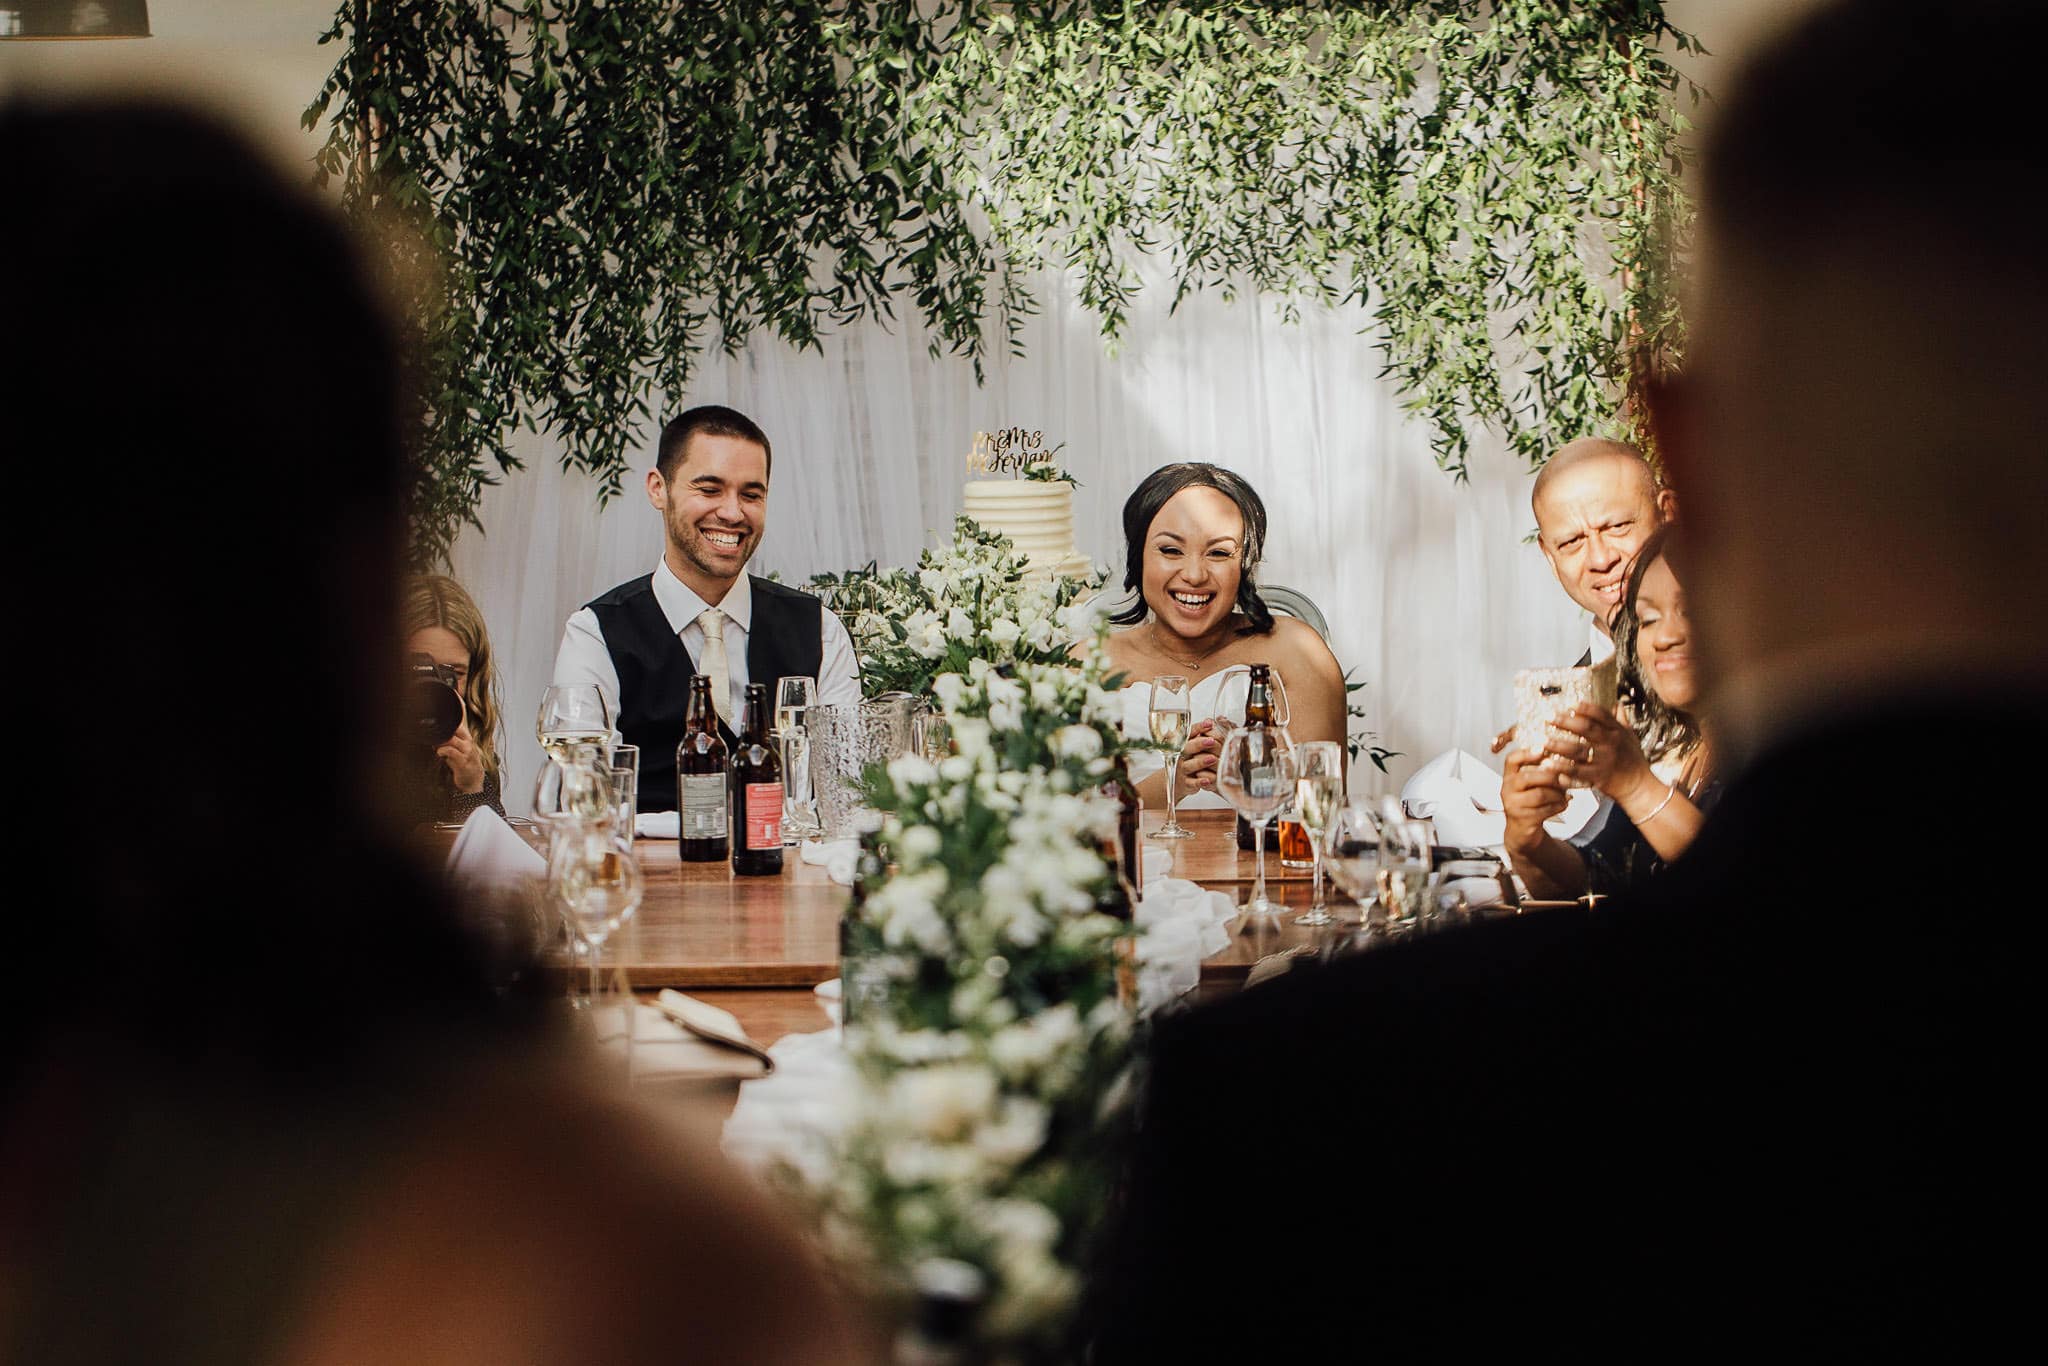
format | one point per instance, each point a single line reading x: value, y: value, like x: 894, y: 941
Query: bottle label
x: 764, y: 815
x: 703, y: 814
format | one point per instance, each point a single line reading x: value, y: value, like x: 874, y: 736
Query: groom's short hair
x: 710, y: 419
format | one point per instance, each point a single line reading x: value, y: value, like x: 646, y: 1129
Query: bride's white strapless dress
x: 1221, y: 694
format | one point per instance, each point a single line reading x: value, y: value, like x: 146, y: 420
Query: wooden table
x: 701, y: 927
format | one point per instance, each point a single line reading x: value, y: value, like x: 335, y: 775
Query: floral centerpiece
x: 993, y: 1059
x: 968, y: 600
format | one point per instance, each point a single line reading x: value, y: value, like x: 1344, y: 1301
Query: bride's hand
x: 1198, y: 758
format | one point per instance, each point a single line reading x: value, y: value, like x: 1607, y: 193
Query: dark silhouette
x: 261, y: 1101
x: 1777, y: 1107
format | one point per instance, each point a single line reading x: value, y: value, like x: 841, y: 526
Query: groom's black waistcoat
x: 654, y: 668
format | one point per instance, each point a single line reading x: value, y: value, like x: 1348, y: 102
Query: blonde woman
x: 442, y: 622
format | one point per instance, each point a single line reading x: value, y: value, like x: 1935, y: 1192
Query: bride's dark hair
x: 1154, y: 491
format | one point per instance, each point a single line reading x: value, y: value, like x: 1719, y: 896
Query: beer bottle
x: 856, y: 977
x: 1258, y: 712
x: 700, y: 780
x: 1119, y: 786
x: 756, y: 787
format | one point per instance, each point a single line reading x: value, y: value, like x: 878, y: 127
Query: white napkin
x: 488, y: 854
x: 657, y: 825
x: 1179, y: 925
x: 796, y: 1115
x: 1459, y: 793
x: 839, y: 858
x: 664, y: 1051
x: 1154, y: 863
x: 1478, y: 891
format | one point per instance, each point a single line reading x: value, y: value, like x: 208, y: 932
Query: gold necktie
x: 713, y: 663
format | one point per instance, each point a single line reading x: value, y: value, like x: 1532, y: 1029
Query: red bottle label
x: 764, y: 815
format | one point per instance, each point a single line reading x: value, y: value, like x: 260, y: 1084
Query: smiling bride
x: 1193, y: 534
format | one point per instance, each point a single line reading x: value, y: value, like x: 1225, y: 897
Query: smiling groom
x: 699, y: 611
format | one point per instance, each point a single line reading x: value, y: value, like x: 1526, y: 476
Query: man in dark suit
x: 700, y: 611
x: 1779, y: 1107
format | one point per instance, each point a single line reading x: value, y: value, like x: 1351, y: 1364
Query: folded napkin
x: 489, y: 855
x: 1459, y: 794
x: 1179, y: 925
x: 684, y: 1039
x: 1479, y: 892
x: 837, y: 857
x: 657, y: 825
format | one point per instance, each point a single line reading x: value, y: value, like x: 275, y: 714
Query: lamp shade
x: 74, y: 19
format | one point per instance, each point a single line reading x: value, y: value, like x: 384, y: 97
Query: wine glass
x: 1318, y: 792
x: 575, y: 790
x: 1169, y: 720
x: 1255, y: 774
x: 596, y: 882
x: 573, y: 716
x: 1351, y: 852
x: 1404, y: 875
x: 795, y: 695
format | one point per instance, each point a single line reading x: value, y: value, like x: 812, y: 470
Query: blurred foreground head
x: 1858, y: 433
x: 200, y: 421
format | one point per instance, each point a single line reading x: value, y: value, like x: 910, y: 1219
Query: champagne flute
x: 1169, y: 722
x: 1404, y: 874
x: 1318, y: 792
x: 597, y: 883
x: 795, y: 695
x: 573, y: 716
x: 1255, y: 774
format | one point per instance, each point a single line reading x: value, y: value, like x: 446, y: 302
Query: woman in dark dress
x: 1653, y: 816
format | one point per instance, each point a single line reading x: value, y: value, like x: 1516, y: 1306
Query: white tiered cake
x: 1037, y: 515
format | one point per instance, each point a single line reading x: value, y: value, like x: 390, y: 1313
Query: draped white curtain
x: 1431, y: 592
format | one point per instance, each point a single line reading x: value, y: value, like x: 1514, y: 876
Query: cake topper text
x: 1008, y: 451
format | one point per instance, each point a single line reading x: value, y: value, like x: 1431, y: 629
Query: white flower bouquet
x: 966, y: 601
x: 994, y: 1062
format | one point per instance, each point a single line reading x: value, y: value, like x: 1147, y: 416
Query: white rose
x: 1004, y: 632
x: 911, y: 769
x: 945, y: 1102
x: 970, y: 739
x: 1077, y: 742
x: 951, y: 690
x: 919, y: 841
x: 933, y: 581
x: 1018, y: 1133
x: 959, y: 625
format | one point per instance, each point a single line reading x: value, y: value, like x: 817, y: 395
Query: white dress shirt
x: 584, y: 657
x: 1599, y: 645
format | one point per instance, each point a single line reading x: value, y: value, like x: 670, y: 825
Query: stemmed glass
x: 1169, y: 721
x: 1404, y: 874
x: 573, y: 716
x: 1255, y: 774
x: 596, y: 881
x: 795, y: 695
x: 1318, y: 792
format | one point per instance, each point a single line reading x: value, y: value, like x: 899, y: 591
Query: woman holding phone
x: 1658, y: 804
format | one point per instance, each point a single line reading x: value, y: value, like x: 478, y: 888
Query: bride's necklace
x: 1196, y: 663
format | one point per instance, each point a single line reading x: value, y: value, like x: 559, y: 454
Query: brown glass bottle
x: 1118, y: 785
x: 1258, y: 712
x: 701, y: 812
x: 756, y: 786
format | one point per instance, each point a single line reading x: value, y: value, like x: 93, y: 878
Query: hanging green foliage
x: 598, y: 192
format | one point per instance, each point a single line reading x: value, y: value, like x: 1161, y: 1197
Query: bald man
x: 1596, y: 501
x: 1783, y: 1107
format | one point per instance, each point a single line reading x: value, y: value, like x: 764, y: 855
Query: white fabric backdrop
x: 1431, y: 593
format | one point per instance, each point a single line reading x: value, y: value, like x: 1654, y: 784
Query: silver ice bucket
x: 844, y: 741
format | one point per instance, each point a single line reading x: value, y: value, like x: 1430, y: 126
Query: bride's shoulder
x: 1300, y: 642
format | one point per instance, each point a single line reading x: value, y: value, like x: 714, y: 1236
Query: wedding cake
x: 1037, y: 515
